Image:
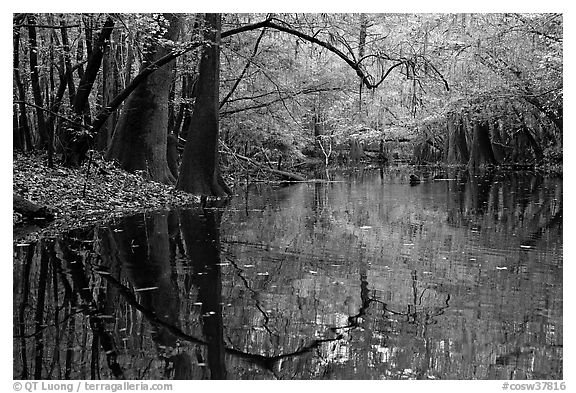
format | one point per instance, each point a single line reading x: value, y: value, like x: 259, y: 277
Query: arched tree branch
x: 237, y: 82
x: 120, y: 97
x: 367, y: 80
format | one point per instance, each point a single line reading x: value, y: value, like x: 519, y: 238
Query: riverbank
x: 78, y: 198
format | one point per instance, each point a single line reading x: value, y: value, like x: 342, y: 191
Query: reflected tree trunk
x: 22, y: 309
x: 143, y: 246
x: 201, y: 231
x: 39, y: 314
x: 75, y: 266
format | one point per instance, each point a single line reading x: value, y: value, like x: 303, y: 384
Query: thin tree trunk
x: 187, y: 108
x: 92, y: 67
x: 35, y: 80
x: 39, y: 314
x: 182, y: 108
x: 22, y: 310
x: 23, y: 127
x: 171, y: 96
x: 129, y: 61
x: 67, y: 61
x: 361, y: 49
x: 76, y: 144
x: 109, y: 91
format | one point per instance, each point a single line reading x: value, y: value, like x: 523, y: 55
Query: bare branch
x: 246, y: 66
x: 54, y: 114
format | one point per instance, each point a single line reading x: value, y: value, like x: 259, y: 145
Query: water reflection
x: 458, y: 277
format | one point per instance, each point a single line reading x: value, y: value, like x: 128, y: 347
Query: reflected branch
x: 254, y: 297
x: 46, y: 326
x: 266, y: 362
x: 148, y: 314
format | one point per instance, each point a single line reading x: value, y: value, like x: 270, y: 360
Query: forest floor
x: 78, y: 200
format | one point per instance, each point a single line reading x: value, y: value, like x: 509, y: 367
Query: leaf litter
x: 110, y: 192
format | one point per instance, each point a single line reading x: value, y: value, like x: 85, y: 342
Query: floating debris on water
x: 145, y: 289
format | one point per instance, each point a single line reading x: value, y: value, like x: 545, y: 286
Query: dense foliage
x: 296, y: 86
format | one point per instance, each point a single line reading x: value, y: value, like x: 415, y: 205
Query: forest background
x: 475, y: 89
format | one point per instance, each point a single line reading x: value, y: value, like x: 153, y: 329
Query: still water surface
x: 363, y: 277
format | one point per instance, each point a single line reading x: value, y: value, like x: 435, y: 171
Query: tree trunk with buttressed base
x: 199, y: 170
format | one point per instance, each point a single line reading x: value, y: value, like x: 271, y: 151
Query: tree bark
x: 481, y: 153
x: 23, y: 127
x: 172, y: 154
x: 139, y: 142
x: 182, y: 121
x: 35, y: 80
x: 356, y: 150
x: 67, y: 61
x: 110, y: 87
x: 199, y: 171
x: 457, y: 152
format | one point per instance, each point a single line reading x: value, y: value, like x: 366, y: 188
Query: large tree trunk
x: 457, y: 150
x: 356, y: 150
x: 139, y: 141
x: 481, y: 153
x: 498, y: 146
x: 199, y: 171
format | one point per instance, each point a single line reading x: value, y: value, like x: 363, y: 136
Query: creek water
x: 361, y: 277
